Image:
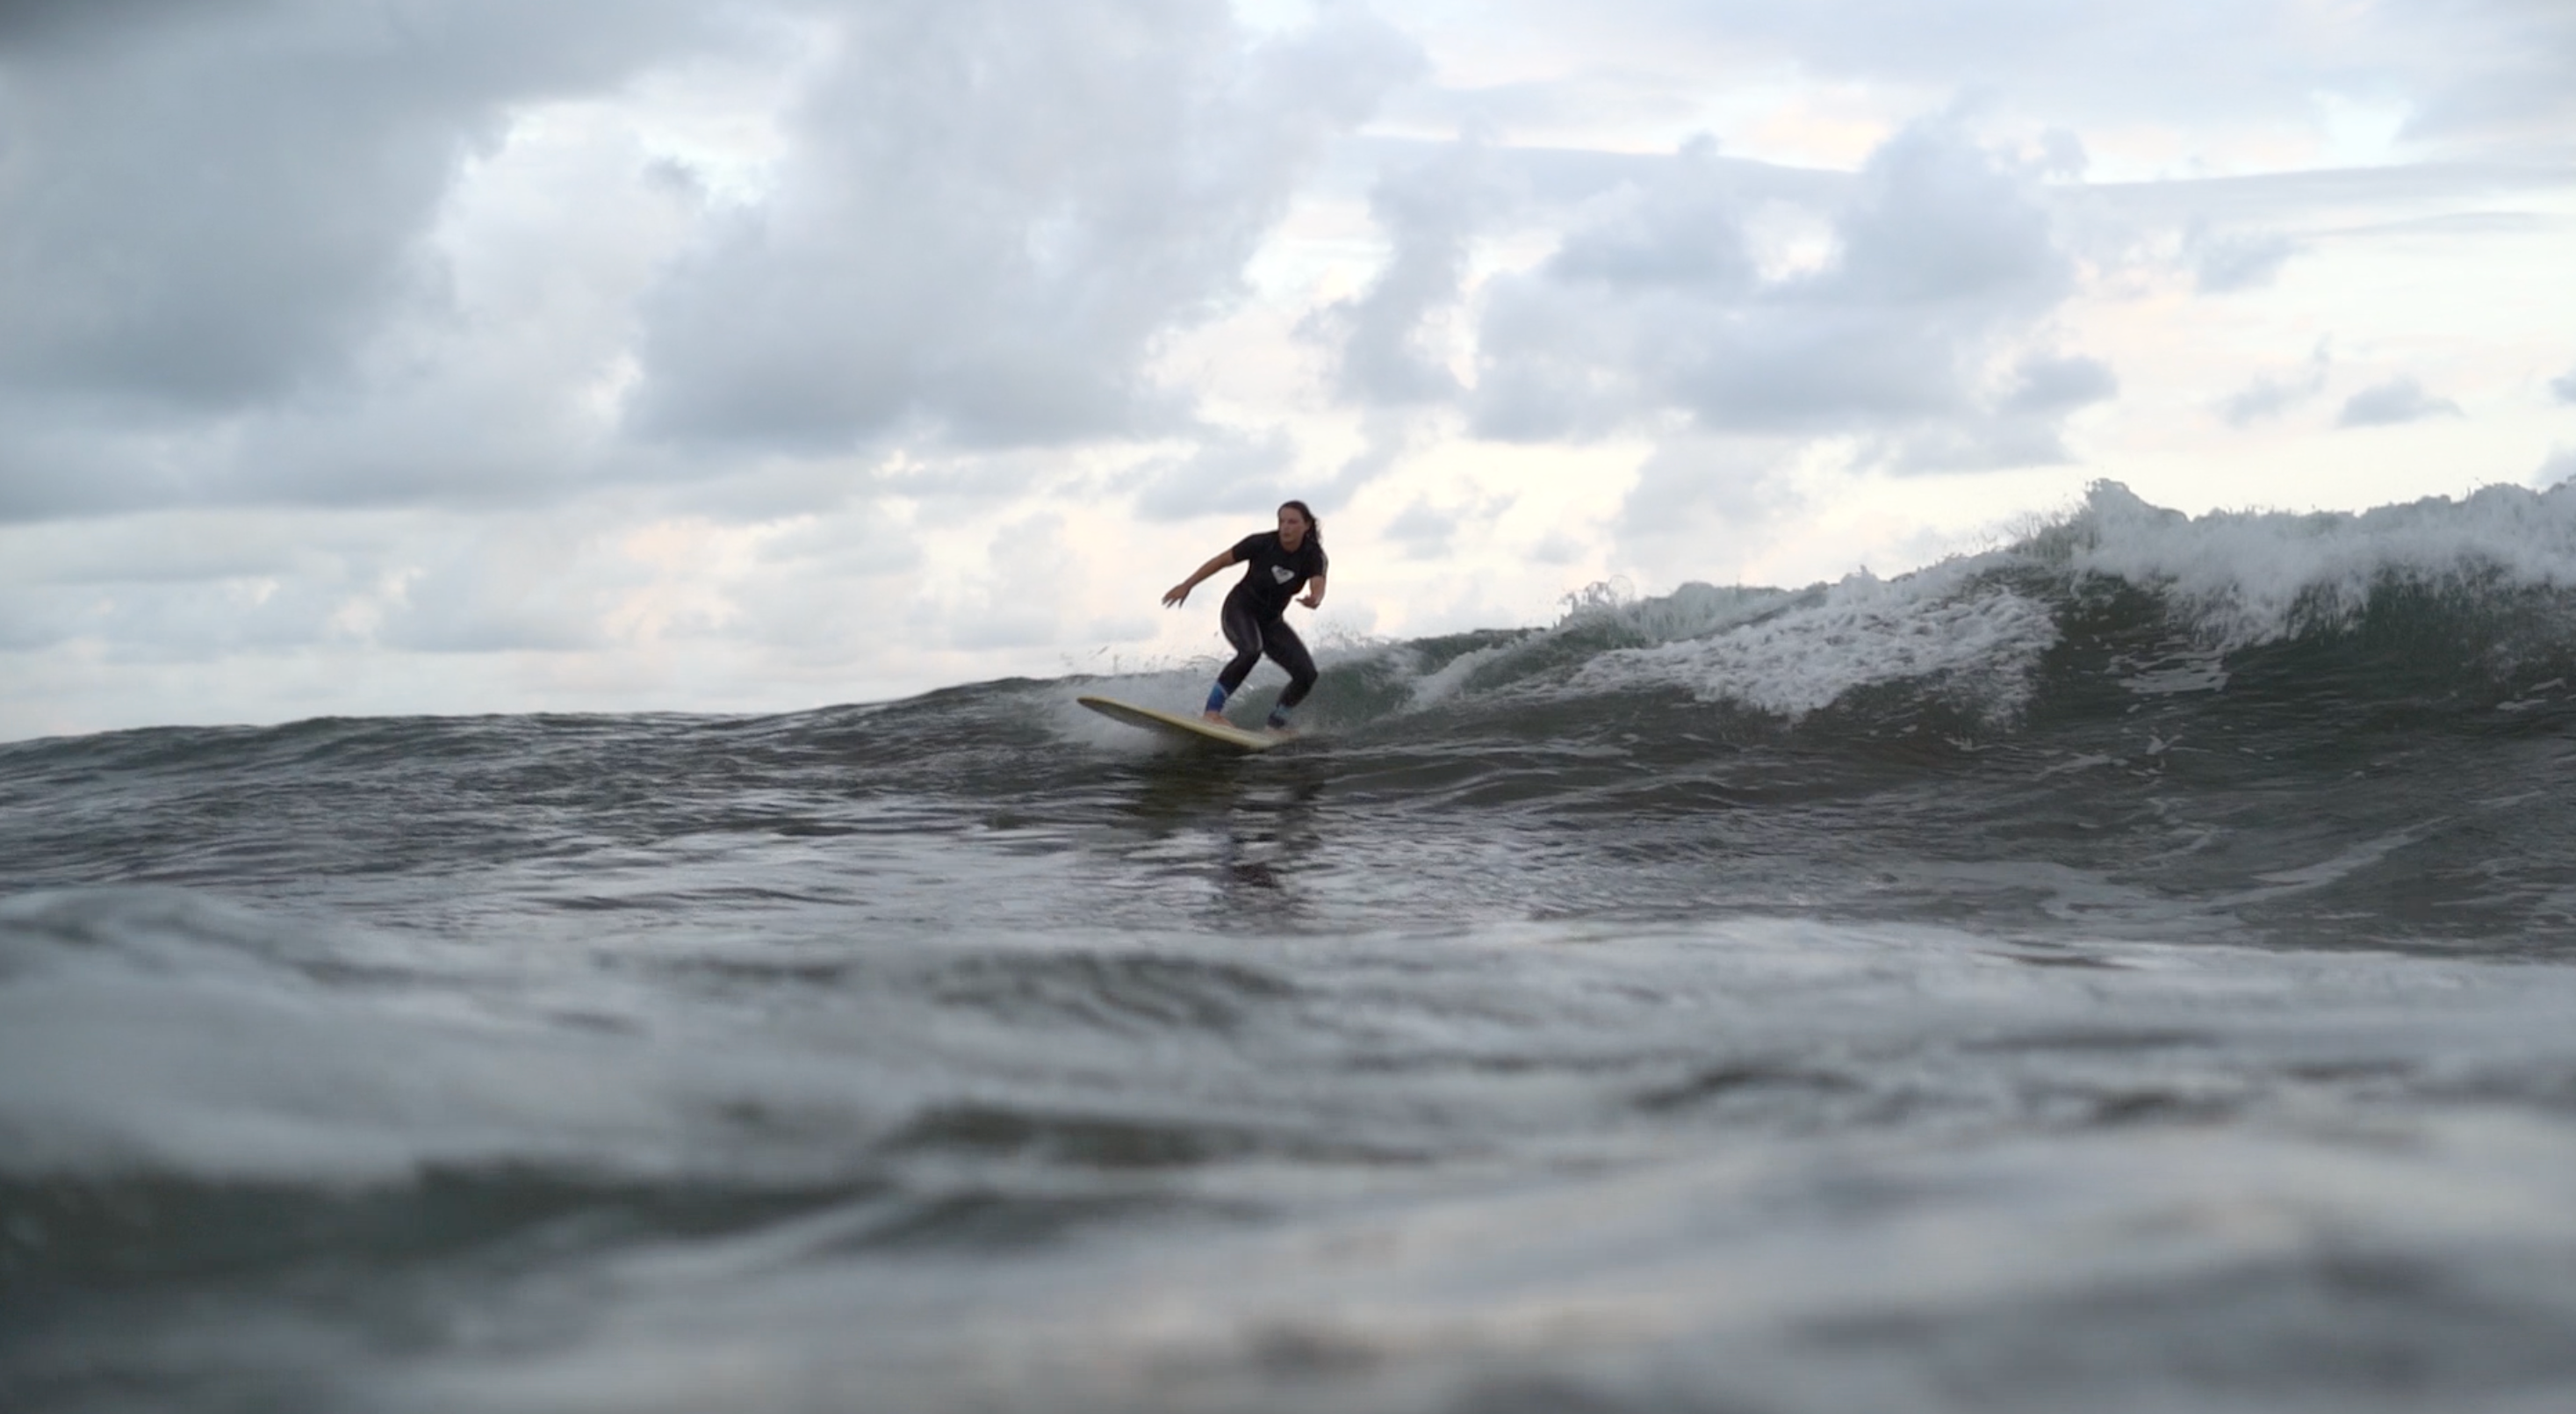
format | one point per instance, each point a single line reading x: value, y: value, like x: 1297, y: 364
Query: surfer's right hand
x: 1176, y: 596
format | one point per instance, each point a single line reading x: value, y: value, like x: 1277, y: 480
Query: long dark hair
x: 1314, y: 527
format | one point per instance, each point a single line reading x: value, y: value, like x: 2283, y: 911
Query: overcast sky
x: 472, y: 355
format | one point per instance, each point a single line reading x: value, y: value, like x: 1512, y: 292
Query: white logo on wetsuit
x: 1281, y: 574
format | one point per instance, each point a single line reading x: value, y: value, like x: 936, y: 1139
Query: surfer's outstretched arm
x: 1314, y: 593
x: 1180, y: 593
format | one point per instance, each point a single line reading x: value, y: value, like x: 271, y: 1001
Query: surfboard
x: 1173, y: 724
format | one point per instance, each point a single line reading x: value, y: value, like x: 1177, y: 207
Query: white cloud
x: 2275, y: 393
x: 1389, y: 353
x: 1943, y: 263
x: 204, y: 205
x: 2400, y: 399
x: 991, y: 213
x: 1225, y: 472
x: 2239, y: 260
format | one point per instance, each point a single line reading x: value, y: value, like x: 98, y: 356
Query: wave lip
x: 2243, y: 578
x: 1946, y: 624
x: 2496, y: 569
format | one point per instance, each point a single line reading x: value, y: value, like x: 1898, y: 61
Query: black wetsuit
x: 1254, y: 616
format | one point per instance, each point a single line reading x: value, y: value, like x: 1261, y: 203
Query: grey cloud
x: 205, y: 204
x: 818, y: 588
x: 270, y: 580
x: 55, y: 465
x: 157, y: 619
x: 2509, y: 74
x: 30, y: 27
x: 2395, y: 401
x: 2225, y: 263
x: 1229, y: 472
x: 991, y: 215
x: 461, y: 606
x: 2046, y: 384
x: 2564, y: 386
x: 2265, y: 398
x: 1681, y: 231
x: 1423, y: 530
x: 2272, y: 395
x: 216, y: 285
x: 1019, y: 605
x: 2021, y: 428
x: 1556, y: 548
x: 1707, y: 491
x: 1652, y: 308
x: 175, y: 548
x: 212, y: 216
x: 2558, y: 470
x: 1434, y: 200
x: 1385, y: 438
x: 1426, y: 530
x: 1430, y: 213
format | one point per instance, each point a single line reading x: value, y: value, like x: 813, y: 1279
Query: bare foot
x: 1217, y: 717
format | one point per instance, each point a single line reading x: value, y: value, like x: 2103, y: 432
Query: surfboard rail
x: 1173, y: 724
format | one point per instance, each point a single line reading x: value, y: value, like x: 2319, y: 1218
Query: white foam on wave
x: 2248, y: 577
x: 1693, y: 611
x: 1943, y: 621
x: 2237, y: 579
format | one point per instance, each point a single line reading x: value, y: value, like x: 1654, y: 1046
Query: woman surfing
x: 1255, y: 615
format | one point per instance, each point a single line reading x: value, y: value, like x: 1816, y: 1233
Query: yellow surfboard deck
x: 1175, y: 725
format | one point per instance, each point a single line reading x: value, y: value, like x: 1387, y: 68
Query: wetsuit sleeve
x: 1243, y: 548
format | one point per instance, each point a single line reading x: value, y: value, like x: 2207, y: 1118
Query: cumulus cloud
x: 2398, y: 400
x: 284, y: 252
x: 2273, y: 394
x: 212, y: 216
x: 1690, y: 482
x: 1226, y: 472
x: 1431, y: 214
x: 2024, y: 425
x: 990, y: 215
x: 1653, y: 307
x: 2507, y: 64
x: 2241, y: 260
x: 1425, y: 529
x: 204, y: 204
x: 2557, y: 470
x: 2047, y: 384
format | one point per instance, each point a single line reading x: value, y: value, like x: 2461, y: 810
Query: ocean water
x: 2133, y: 969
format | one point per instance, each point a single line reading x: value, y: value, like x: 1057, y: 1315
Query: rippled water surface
x: 2130, y: 971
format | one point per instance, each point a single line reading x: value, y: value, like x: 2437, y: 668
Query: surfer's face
x: 1292, y: 526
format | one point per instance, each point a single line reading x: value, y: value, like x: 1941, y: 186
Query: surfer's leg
x: 1244, y: 633
x: 1288, y: 651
